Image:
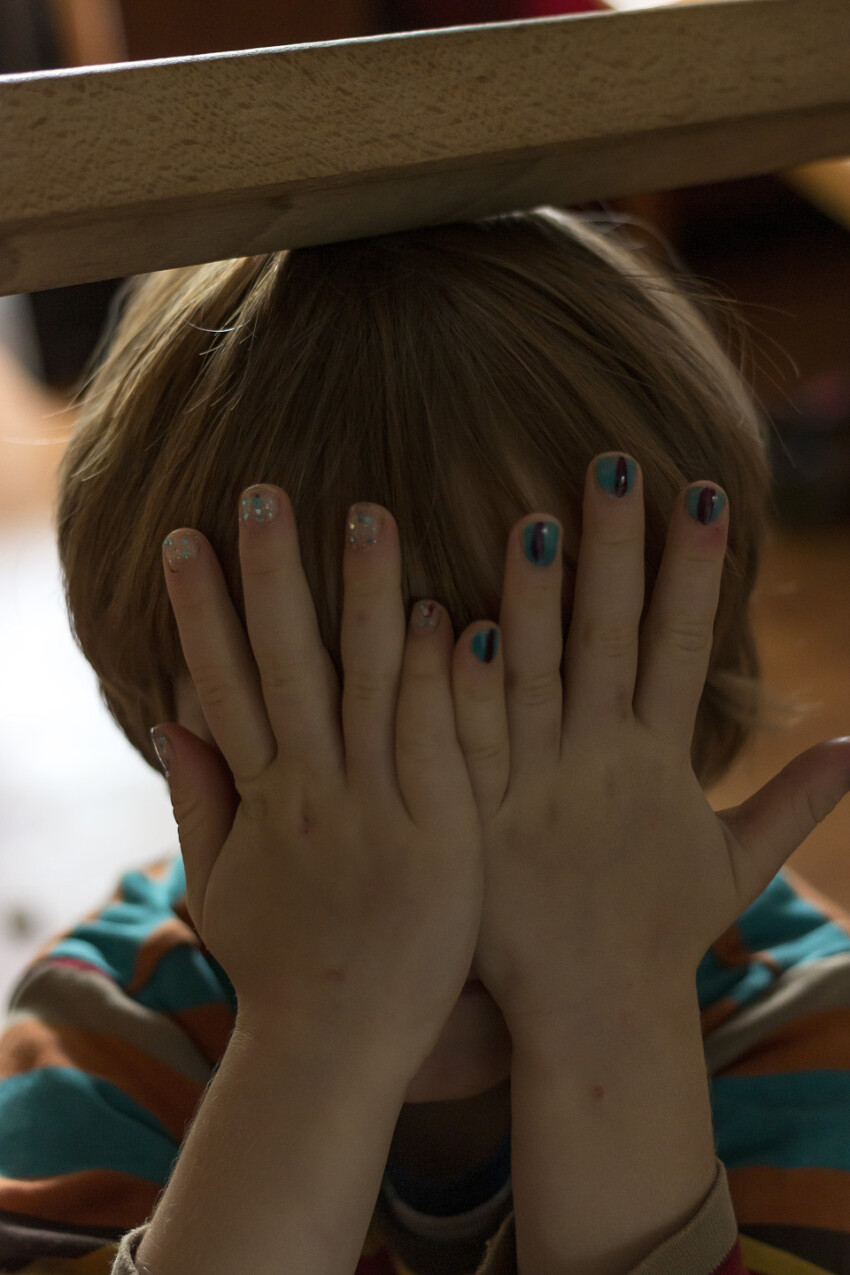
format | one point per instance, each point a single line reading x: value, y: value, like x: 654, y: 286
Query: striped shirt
x: 115, y: 1028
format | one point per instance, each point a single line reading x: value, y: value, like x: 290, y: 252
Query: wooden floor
x: 79, y: 806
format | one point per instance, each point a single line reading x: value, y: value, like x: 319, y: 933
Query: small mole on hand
x: 598, y: 1091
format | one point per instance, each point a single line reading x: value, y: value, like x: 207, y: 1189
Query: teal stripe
x: 57, y: 1120
x: 186, y: 979
x: 779, y: 916
x: 778, y: 923
x: 183, y: 979
x: 788, y: 1121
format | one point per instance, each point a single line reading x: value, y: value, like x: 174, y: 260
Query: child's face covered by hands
x: 473, y: 1051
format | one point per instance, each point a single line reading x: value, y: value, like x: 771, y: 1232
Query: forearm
x: 612, y: 1141
x: 281, y: 1167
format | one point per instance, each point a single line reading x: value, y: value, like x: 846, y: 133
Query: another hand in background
x: 605, y: 866
x: 337, y: 873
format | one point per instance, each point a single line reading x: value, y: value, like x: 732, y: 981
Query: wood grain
x: 118, y: 170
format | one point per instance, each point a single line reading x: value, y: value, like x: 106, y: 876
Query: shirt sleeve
x: 111, y: 1036
x: 462, y: 1226
x: 707, y: 1245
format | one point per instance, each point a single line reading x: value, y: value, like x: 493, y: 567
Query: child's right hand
x: 346, y: 897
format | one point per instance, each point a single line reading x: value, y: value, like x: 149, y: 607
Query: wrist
x: 612, y: 1114
x: 282, y: 1163
x: 608, y: 1015
x: 326, y: 1045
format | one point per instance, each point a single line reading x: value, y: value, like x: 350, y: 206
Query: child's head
x: 460, y: 375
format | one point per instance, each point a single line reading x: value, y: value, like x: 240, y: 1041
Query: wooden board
x: 125, y: 169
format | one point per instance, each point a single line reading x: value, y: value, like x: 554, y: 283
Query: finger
x: 299, y: 683
x: 204, y: 801
x: 478, y: 691
x: 217, y: 653
x: 372, y: 639
x: 601, y: 658
x: 679, y: 626
x: 531, y: 627
x: 429, y: 761
x: 770, y: 825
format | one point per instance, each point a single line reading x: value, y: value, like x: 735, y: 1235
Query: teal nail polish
x: 485, y: 645
x: 540, y: 542
x: 616, y: 474
x: 705, y: 504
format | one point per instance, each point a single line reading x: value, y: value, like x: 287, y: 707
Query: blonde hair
x: 460, y: 375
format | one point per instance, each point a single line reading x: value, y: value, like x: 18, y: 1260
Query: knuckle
x: 365, y: 686
x: 611, y: 535
x: 483, y: 750
x: 282, y: 676
x: 212, y: 684
x: 612, y: 638
x: 261, y: 569
x: 815, y: 805
x: 533, y: 689
x: 685, y: 633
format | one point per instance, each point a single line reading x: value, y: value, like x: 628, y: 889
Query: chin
x: 472, y: 1055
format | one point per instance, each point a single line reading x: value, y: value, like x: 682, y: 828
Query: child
x: 457, y: 377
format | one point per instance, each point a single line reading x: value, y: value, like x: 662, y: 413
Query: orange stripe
x: 98, y: 1197
x: 169, y: 934
x: 209, y: 1028
x: 817, y: 1041
x: 764, y: 1196
x: 165, y: 1093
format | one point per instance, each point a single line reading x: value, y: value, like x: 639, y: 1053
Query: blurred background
x: 78, y: 807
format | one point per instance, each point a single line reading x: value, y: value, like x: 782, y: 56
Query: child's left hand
x: 606, y: 869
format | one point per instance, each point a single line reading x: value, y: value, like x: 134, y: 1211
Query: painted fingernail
x: 362, y: 525
x: 616, y: 475
x: 705, y: 504
x: 162, y: 749
x: 179, y: 549
x: 485, y: 645
x: 258, y: 504
x: 540, y: 542
x: 425, y: 617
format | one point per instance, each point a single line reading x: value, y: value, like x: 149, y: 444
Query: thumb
x: 775, y: 821
x: 204, y: 801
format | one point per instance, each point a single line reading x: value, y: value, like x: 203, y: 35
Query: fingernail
x: 425, y: 617
x: 616, y: 475
x: 179, y: 549
x: 705, y: 504
x: 162, y: 748
x: 258, y: 504
x: 362, y: 525
x: 485, y: 645
x: 540, y: 542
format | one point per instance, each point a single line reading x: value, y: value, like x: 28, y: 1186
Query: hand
x: 605, y: 865
x: 338, y: 877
